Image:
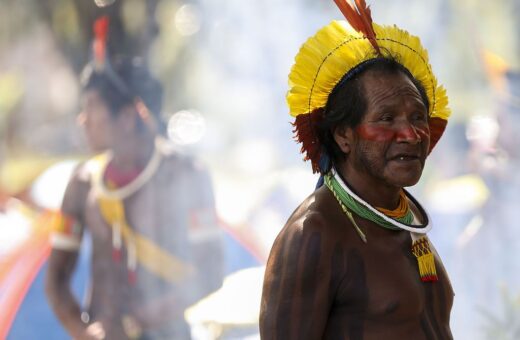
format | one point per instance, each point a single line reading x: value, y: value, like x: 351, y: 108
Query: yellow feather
x: 336, y: 49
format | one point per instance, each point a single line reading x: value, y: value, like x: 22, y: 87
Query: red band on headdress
x: 437, y: 127
x: 305, y: 132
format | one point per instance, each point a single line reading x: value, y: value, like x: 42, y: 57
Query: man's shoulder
x: 177, y: 161
x: 82, y: 173
x: 318, y: 228
x: 321, y: 213
x: 87, y: 170
x: 77, y: 189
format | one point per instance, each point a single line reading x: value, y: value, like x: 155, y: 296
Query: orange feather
x: 100, y: 39
x: 360, y: 18
x: 350, y: 14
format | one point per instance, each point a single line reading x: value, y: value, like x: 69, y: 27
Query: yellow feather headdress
x: 336, y: 49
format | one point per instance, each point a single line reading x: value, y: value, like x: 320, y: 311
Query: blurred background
x: 224, y: 67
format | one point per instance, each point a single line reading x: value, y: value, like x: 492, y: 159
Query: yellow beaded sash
x: 140, y: 249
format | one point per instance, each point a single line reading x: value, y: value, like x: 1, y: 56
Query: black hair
x: 123, y: 80
x: 347, y: 104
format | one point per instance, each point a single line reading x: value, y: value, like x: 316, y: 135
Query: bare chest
x: 157, y: 211
x: 382, y: 285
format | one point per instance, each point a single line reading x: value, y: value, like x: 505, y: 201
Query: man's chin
x: 409, y: 183
x: 403, y: 179
x: 97, y: 148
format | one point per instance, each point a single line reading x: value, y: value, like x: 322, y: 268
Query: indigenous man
x: 353, y: 260
x: 150, y: 213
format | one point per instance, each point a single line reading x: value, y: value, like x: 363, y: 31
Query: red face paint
x: 423, y: 132
x: 375, y: 133
x: 407, y: 133
x: 412, y: 133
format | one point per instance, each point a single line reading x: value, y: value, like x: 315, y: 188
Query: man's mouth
x: 405, y: 158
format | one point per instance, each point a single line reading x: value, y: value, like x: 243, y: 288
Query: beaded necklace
x: 344, y: 198
x: 360, y: 207
x: 399, y: 219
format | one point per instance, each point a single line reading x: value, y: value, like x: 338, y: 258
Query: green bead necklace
x: 351, y: 203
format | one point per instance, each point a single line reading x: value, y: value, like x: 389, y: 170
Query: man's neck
x: 133, y: 152
x: 376, y: 192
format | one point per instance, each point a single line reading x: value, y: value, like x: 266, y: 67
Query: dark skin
x: 322, y: 281
x: 159, y: 211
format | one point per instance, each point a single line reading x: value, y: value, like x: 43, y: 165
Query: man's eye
x: 386, y: 118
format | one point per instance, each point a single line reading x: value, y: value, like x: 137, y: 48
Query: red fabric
x: 18, y: 270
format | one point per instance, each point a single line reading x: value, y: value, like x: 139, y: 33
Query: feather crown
x: 336, y: 49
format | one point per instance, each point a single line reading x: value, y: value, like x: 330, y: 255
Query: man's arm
x: 299, y: 285
x: 63, y: 302
x: 65, y: 240
x: 57, y: 288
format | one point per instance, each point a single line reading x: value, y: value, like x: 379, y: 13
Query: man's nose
x: 407, y: 133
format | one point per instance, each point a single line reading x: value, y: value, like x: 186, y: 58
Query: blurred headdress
x: 101, y: 60
x: 334, y: 51
x: 144, y: 93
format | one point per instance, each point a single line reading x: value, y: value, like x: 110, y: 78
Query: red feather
x: 350, y: 14
x: 306, y: 134
x: 437, y: 127
x: 360, y: 18
x: 100, y: 39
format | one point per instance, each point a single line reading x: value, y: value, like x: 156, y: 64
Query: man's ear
x: 344, y: 137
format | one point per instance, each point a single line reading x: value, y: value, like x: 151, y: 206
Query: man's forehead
x: 382, y: 88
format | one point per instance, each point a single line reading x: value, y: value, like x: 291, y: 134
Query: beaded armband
x: 66, y: 232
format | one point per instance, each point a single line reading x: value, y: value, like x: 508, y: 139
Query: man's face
x: 391, y: 143
x: 96, y: 119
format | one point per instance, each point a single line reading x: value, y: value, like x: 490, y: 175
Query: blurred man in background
x: 150, y: 212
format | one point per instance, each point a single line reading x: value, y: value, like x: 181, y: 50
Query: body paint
x: 387, y: 134
x: 375, y: 133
